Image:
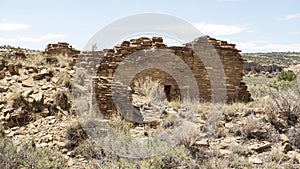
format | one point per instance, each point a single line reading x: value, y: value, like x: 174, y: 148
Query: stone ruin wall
x: 229, y: 55
x: 111, y: 58
x: 61, y: 48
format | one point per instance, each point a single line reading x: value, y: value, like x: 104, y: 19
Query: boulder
x: 27, y: 92
x: 28, y: 83
x: 38, y: 98
x: 255, y: 160
x: 287, y: 147
x: 3, y: 88
x: 2, y: 75
x: 13, y: 69
x: 260, y: 147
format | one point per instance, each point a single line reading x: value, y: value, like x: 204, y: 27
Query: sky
x: 253, y: 25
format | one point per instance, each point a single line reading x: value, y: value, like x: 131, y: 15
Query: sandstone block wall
x: 231, y: 60
x: 229, y: 56
x: 61, y: 48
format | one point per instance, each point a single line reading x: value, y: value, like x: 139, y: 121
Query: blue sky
x: 254, y: 25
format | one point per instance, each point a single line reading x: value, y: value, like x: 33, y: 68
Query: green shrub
x: 8, y: 156
x: 284, y: 80
x: 27, y: 156
x: 281, y: 85
x: 33, y: 157
x: 286, y: 76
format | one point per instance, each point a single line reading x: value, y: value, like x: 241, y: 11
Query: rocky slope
x: 36, y: 109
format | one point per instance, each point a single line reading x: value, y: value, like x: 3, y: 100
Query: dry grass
x: 35, y: 59
x: 62, y: 99
x: 175, y: 104
x: 120, y: 124
x: 151, y: 89
x: 89, y: 150
x: 62, y: 60
x: 64, y: 78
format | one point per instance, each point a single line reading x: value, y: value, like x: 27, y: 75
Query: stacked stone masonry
x: 61, y: 48
x: 111, y: 59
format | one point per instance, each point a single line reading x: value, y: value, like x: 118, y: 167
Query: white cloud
x: 267, y: 47
x: 9, y: 26
x: 218, y: 29
x: 31, y: 39
x: 291, y: 16
x: 295, y: 33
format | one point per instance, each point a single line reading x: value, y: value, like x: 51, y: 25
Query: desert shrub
x: 151, y: 89
x: 189, y: 108
x: 232, y: 161
x: 256, y: 128
x: 27, y: 156
x: 175, y: 104
x: 179, y: 157
x: 294, y: 136
x: 286, y: 103
x: 89, y: 150
x: 62, y: 60
x: 16, y: 99
x: 36, y: 59
x: 284, y: 80
x: 81, y: 76
x: 220, y: 132
x: 286, y: 76
x: 64, y: 78
x: 40, y: 158
x: 281, y: 85
x: 212, y: 122
x: 240, y: 149
x: 75, y: 135
x: 276, y: 155
x: 237, y: 161
x: 9, y: 155
x: 2, y: 131
x: 251, y: 124
x: 120, y: 124
x: 62, y: 99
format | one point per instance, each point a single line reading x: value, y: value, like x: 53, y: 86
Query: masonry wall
x: 231, y: 60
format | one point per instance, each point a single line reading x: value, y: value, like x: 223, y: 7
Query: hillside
x: 277, y: 58
x: 40, y: 128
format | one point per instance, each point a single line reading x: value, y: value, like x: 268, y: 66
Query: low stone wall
x: 61, y: 48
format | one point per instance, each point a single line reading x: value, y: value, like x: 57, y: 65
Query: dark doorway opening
x: 167, y: 90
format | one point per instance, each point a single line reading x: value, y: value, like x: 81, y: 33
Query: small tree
x: 94, y: 47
